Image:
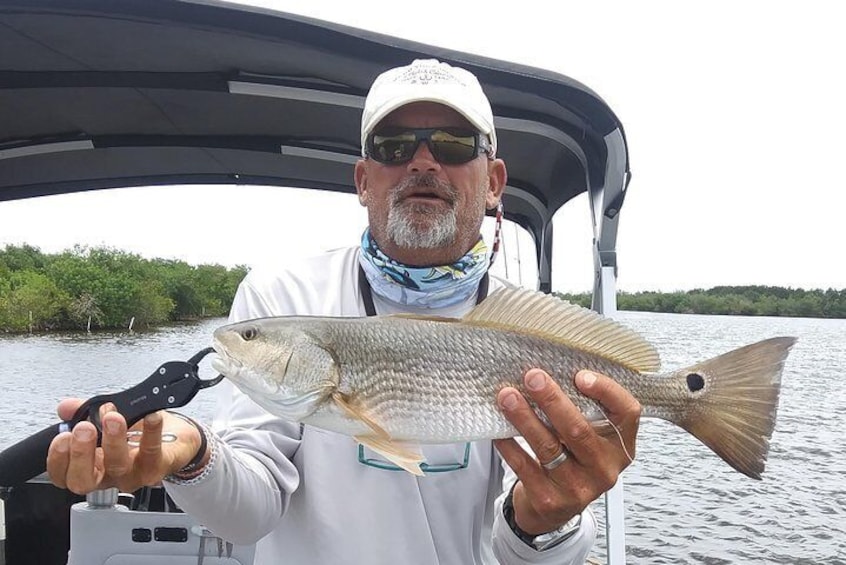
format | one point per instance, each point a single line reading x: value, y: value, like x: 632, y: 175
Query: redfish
x: 396, y: 382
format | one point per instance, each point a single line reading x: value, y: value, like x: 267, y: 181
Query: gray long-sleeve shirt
x: 303, y: 495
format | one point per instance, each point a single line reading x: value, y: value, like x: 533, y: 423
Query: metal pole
x: 615, y: 521
x: 615, y: 524
x: 2, y: 532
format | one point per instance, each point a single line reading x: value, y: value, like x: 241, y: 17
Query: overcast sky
x: 734, y: 114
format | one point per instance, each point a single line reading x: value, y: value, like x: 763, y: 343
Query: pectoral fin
x: 405, y: 456
x: 355, y: 412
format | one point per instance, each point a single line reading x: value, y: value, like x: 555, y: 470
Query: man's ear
x: 361, y: 181
x: 497, y: 179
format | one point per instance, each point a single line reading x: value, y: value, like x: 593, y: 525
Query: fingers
x: 620, y: 407
x: 67, y: 408
x: 545, y: 444
x: 58, y: 459
x: 73, y: 459
x: 83, y: 474
x: 544, y: 506
x: 149, y: 457
x: 522, y: 463
x: 569, y: 426
x: 545, y: 498
x: 603, y: 454
x: 75, y: 462
x: 116, y: 457
x: 567, y: 420
x: 614, y: 398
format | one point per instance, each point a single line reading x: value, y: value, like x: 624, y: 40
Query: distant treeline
x: 106, y: 288
x: 734, y: 300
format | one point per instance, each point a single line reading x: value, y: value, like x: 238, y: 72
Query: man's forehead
x: 436, y: 114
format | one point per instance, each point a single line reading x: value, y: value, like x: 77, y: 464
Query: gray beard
x: 438, y: 228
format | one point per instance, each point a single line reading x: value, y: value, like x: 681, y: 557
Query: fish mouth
x: 242, y: 376
x: 245, y: 380
x: 224, y: 364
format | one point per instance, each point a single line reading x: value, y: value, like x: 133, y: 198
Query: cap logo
x: 430, y: 75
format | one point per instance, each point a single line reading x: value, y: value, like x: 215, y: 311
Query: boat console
x: 108, y: 528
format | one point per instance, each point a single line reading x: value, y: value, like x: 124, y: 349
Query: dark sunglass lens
x: 453, y: 147
x: 392, y: 147
x: 448, y: 146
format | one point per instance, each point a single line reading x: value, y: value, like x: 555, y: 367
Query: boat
x: 102, y: 94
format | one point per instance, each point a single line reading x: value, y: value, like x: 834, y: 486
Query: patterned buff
x: 423, y: 287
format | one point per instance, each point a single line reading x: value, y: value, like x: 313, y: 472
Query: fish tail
x: 733, y: 401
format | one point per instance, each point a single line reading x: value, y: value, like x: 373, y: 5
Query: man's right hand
x: 76, y: 463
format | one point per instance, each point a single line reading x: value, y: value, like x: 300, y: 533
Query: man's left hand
x: 546, y: 499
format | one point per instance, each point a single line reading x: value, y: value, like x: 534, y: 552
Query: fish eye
x: 250, y: 332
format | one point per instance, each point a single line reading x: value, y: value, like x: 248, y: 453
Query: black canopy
x: 112, y: 93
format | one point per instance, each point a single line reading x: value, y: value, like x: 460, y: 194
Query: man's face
x: 423, y: 212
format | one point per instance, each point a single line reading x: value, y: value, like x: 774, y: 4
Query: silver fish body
x: 400, y: 380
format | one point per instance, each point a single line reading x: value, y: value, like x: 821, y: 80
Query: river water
x: 683, y: 504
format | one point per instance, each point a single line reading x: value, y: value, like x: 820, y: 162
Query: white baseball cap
x: 428, y: 80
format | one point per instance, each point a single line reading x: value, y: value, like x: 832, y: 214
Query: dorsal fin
x: 570, y: 324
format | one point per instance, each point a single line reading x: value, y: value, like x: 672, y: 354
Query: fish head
x: 278, y: 364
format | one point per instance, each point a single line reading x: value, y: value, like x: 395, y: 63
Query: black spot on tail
x: 695, y: 382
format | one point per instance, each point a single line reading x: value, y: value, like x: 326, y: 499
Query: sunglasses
x: 449, y: 146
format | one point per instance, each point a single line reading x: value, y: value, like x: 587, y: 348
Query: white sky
x: 734, y: 114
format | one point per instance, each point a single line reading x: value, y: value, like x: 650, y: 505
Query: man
x: 429, y: 170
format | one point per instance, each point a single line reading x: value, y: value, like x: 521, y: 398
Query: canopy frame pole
x: 605, y: 204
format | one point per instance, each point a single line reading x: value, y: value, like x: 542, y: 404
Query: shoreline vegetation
x: 732, y: 301
x: 86, y: 288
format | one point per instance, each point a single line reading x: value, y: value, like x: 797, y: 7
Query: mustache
x: 413, y: 183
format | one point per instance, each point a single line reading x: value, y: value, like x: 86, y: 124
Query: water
x: 37, y: 371
x: 683, y: 504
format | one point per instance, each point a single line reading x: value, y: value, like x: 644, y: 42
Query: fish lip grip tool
x: 171, y: 385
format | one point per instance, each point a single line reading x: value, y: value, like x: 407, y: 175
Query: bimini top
x: 113, y: 93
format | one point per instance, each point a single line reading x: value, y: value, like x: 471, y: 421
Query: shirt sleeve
x: 511, y: 550
x: 253, y: 469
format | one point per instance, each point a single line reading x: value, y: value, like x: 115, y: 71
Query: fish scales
x: 433, y: 382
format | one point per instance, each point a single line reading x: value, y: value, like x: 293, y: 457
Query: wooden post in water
x: 89, y: 324
x: 131, y: 323
x: 30, y: 321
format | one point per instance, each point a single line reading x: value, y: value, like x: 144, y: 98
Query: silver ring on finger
x: 133, y: 437
x: 558, y: 460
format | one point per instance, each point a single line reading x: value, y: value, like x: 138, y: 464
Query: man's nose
x: 423, y: 160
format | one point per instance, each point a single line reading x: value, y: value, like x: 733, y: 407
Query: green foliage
x: 150, y: 304
x: 582, y: 299
x: 107, y: 286
x: 733, y: 300
x: 20, y: 258
x: 30, y: 300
